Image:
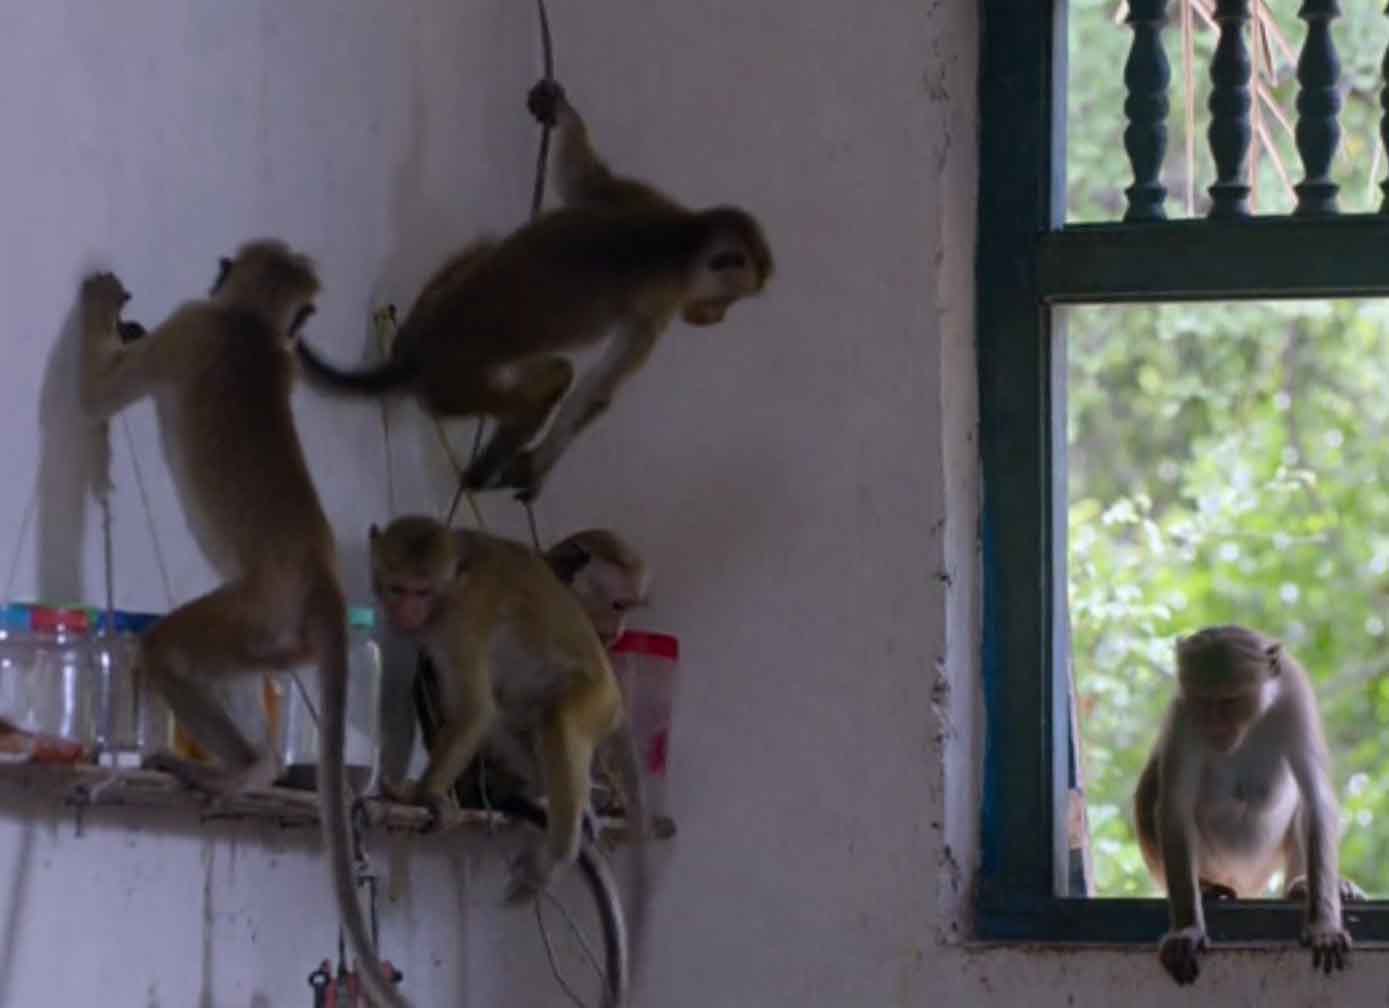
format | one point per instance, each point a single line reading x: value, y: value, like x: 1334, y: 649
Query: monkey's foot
x: 1217, y: 891
x: 524, y: 475
x: 214, y: 782
x: 402, y: 792
x: 531, y: 871
x: 1180, y: 953
x: 441, y: 810
x: 1330, y: 946
x: 1350, y: 892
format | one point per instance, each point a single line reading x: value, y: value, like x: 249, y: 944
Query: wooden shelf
x: 85, y: 786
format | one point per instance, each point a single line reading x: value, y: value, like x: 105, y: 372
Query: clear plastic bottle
x: 16, y: 683
x: 134, y: 721
x: 64, y: 687
x: 296, y: 720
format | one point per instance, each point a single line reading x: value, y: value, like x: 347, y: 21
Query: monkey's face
x: 726, y: 272
x: 409, y: 603
x: 1223, y: 718
x: 607, y: 593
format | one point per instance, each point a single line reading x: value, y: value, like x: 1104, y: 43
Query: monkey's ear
x: 373, y: 533
x: 567, y: 559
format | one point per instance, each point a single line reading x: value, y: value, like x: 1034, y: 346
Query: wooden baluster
x: 1146, y: 75
x: 1229, y: 130
x: 1384, y: 121
x: 1318, y: 105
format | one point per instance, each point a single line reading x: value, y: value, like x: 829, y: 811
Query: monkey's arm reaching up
x: 114, y: 373
x: 581, y: 176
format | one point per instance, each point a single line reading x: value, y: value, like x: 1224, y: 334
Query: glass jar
x: 296, y: 723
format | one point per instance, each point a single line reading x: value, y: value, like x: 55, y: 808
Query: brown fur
x: 220, y: 372
x: 621, y: 259
x: 515, y: 655
x: 1238, y: 787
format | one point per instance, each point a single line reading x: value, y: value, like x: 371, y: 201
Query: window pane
x: 1229, y: 463
x: 1098, y: 170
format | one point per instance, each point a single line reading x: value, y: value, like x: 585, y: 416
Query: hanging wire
x: 542, y: 160
x: 554, y: 964
x: 19, y: 542
x: 149, y: 513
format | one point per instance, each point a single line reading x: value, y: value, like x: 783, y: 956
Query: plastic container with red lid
x: 49, y: 689
x: 647, y: 666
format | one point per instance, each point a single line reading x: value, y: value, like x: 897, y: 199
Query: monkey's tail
x: 329, y: 629
x: 638, y: 832
x: 388, y: 375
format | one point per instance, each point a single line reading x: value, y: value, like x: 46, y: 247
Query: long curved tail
x: 388, y: 375
x: 328, y: 622
x: 638, y: 816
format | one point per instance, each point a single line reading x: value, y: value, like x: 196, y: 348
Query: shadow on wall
x: 74, y: 455
x: 74, y: 459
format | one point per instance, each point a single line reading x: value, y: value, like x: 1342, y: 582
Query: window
x: 1039, y: 271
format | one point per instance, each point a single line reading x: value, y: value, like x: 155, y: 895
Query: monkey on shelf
x: 1237, y: 788
x: 221, y: 372
x: 515, y: 657
x: 488, y: 334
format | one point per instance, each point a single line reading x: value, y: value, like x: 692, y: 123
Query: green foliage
x: 1227, y: 463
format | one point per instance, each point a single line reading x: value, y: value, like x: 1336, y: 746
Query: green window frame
x: 1029, y: 262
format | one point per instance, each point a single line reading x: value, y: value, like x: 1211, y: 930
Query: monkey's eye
x: 727, y: 261
x: 621, y: 606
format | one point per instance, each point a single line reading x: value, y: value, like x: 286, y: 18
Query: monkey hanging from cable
x: 488, y: 333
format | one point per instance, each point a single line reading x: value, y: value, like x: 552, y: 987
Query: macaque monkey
x: 488, y: 334
x: 1238, y: 786
x: 220, y: 372
x: 514, y: 656
x: 608, y: 577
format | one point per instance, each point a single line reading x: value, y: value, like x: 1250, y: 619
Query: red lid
x: 657, y: 645
x: 48, y: 619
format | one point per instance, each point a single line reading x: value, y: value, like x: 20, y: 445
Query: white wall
x: 803, y: 478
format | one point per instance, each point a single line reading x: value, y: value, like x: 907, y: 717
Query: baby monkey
x: 515, y: 656
x: 606, y: 575
x: 488, y: 334
x: 1238, y: 786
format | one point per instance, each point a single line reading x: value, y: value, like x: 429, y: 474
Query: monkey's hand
x: 545, y: 101
x: 530, y: 873
x: 1350, y: 892
x: 1330, y: 944
x: 1180, y: 953
x: 130, y: 331
x: 103, y: 297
